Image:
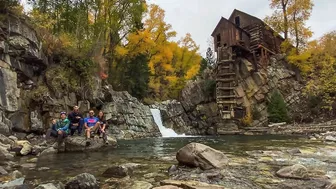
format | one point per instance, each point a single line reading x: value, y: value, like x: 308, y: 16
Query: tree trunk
x: 297, y: 40
x: 284, y: 10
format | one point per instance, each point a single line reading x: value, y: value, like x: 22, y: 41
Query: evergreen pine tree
x: 277, y: 110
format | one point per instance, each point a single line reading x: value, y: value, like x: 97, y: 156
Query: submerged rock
x: 82, y: 181
x: 48, y: 151
x: 191, y: 184
x: 120, y: 171
x: 200, y: 155
x: 296, y: 171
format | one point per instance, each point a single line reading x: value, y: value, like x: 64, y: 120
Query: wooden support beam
x: 225, y: 80
x: 226, y: 74
x: 225, y: 88
x: 261, y: 46
x: 226, y: 97
x: 226, y: 102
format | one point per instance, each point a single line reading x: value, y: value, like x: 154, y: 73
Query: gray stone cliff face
x: 22, y: 68
x: 197, y: 113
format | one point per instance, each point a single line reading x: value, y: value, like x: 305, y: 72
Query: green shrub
x: 277, y: 110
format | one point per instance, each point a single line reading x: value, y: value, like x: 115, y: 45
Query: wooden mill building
x: 242, y: 35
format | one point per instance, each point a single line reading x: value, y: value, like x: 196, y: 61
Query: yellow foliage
x: 121, y: 51
x: 65, y: 40
x: 170, y: 63
x: 247, y: 120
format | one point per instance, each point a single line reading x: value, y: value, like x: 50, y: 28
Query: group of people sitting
x: 74, y: 121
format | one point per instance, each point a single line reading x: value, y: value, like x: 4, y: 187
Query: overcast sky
x: 200, y: 17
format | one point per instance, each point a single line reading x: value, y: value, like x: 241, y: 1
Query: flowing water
x: 157, y: 154
x: 165, y: 132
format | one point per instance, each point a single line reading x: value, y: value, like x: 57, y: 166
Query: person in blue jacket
x: 59, y: 129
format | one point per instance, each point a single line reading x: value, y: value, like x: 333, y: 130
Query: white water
x: 165, y: 132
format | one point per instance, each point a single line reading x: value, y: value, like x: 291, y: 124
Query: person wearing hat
x: 76, y: 121
x: 59, y: 129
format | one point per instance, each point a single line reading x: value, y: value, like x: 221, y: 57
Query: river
x: 158, y: 154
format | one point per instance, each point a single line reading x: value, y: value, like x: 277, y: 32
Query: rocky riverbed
x: 222, y: 162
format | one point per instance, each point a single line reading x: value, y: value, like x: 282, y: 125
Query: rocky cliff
x: 196, y: 111
x: 28, y: 103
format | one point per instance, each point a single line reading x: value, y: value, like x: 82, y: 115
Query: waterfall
x: 166, y: 132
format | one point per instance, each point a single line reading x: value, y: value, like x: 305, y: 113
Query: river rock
x: 32, y: 160
x: 13, y: 138
x: 16, y: 174
x: 120, y: 171
x: 141, y: 185
x: 28, y: 165
x: 17, y: 183
x: 77, y: 143
x: 296, y: 171
x: 331, y: 186
x: 191, y: 184
x: 6, y: 140
x: 4, y: 153
x: 48, y: 151
x: 50, y: 186
x: 23, y: 147
x: 330, y: 138
x: 3, y: 171
x: 82, y: 181
x: 167, y: 187
x: 200, y: 155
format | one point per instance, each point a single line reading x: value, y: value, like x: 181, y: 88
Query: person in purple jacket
x: 91, y: 125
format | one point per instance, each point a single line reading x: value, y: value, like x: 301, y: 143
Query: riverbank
x: 285, y: 129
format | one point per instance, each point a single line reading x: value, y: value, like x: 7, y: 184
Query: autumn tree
x: 290, y: 21
x: 279, y: 19
x: 171, y: 64
x: 319, y: 67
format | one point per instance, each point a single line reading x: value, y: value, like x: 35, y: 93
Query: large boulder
x: 82, y: 181
x: 202, y: 156
x: 77, y: 143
